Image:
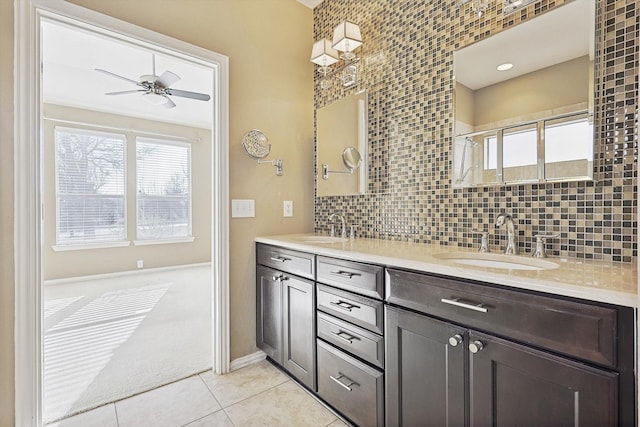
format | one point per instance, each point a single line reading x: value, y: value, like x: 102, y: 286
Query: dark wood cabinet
x: 285, y: 316
x: 269, y: 313
x: 439, y: 374
x: 511, y: 384
x: 425, y: 373
x: 298, y: 328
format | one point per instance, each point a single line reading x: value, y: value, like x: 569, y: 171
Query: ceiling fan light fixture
x: 154, y: 98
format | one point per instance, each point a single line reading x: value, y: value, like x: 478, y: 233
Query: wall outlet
x: 243, y: 208
x: 140, y: 263
x: 287, y: 208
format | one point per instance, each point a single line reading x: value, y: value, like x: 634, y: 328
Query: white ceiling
x: 70, y: 56
x: 555, y: 37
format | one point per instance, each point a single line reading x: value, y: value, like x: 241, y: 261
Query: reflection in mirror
x: 341, y: 138
x: 351, y: 158
x: 544, y: 98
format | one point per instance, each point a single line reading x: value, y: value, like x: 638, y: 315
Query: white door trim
x: 27, y: 230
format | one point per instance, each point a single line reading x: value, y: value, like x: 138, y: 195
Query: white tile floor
x: 259, y: 395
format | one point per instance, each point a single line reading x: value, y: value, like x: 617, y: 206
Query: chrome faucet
x: 343, y: 233
x: 507, y: 220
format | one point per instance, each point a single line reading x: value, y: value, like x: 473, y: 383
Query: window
x: 90, y: 187
x: 164, y: 190
x: 568, y: 149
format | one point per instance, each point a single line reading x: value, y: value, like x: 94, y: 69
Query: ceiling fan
x: 156, y: 90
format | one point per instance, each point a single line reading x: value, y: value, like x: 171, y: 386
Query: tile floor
x: 258, y: 395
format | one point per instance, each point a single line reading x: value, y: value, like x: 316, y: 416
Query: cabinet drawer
x: 357, y: 341
x: 294, y: 262
x: 361, y: 278
x: 578, y: 329
x: 350, y: 386
x: 353, y: 308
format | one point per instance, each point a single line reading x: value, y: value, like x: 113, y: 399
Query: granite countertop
x: 602, y: 281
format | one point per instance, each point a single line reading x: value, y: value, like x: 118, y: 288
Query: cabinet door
x: 425, y: 370
x: 513, y: 385
x: 269, y: 312
x: 299, y: 326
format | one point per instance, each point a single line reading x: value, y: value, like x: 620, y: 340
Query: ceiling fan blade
x: 187, y: 94
x: 109, y: 73
x: 169, y: 103
x: 125, y: 92
x: 167, y: 79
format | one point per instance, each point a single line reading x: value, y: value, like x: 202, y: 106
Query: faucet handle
x: 546, y: 236
x: 352, y: 231
x: 484, y: 242
x: 540, y: 251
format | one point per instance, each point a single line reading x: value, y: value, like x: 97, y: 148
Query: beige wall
x: 60, y: 264
x: 271, y: 88
x: 6, y: 214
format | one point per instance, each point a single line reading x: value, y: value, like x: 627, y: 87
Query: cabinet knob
x: 455, y: 340
x: 476, y: 346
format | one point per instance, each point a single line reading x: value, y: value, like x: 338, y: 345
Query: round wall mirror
x: 351, y: 157
x: 256, y: 144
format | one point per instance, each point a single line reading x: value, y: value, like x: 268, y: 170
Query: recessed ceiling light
x: 504, y: 67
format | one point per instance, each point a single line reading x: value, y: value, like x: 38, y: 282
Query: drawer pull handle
x: 343, y: 385
x: 279, y: 259
x: 344, y: 305
x: 280, y: 278
x: 344, y: 336
x: 347, y: 274
x: 469, y: 306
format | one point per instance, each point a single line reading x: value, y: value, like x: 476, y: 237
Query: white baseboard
x: 249, y: 359
x: 122, y: 273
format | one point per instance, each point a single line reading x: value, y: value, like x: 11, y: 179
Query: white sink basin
x: 495, y: 260
x: 319, y: 239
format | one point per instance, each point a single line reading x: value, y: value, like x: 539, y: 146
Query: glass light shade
x: 154, y: 98
x: 346, y: 37
x: 323, y: 54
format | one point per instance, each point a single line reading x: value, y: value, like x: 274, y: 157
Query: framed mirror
x: 523, y: 101
x: 341, y: 132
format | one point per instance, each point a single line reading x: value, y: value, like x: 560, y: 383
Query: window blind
x: 163, y: 189
x: 90, y: 186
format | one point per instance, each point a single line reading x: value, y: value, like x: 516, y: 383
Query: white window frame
x: 182, y: 239
x: 83, y: 245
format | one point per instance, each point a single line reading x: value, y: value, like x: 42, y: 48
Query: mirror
x: 351, y: 158
x: 256, y: 145
x: 524, y: 101
x: 341, y: 138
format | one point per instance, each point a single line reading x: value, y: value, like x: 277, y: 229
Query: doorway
x: 30, y: 234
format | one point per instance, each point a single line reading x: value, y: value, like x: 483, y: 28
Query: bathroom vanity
x: 394, y: 333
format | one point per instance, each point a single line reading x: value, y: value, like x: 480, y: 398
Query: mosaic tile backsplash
x: 407, y: 69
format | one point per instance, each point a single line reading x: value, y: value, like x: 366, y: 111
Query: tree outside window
x: 164, y: 190
x: 90, y: 186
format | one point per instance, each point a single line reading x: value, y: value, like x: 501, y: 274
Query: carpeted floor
x: 108, y: 339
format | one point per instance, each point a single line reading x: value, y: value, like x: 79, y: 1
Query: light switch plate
x: 287, y: 208
x: 243, y: 208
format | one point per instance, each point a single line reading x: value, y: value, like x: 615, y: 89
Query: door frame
x: 28, y: 185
